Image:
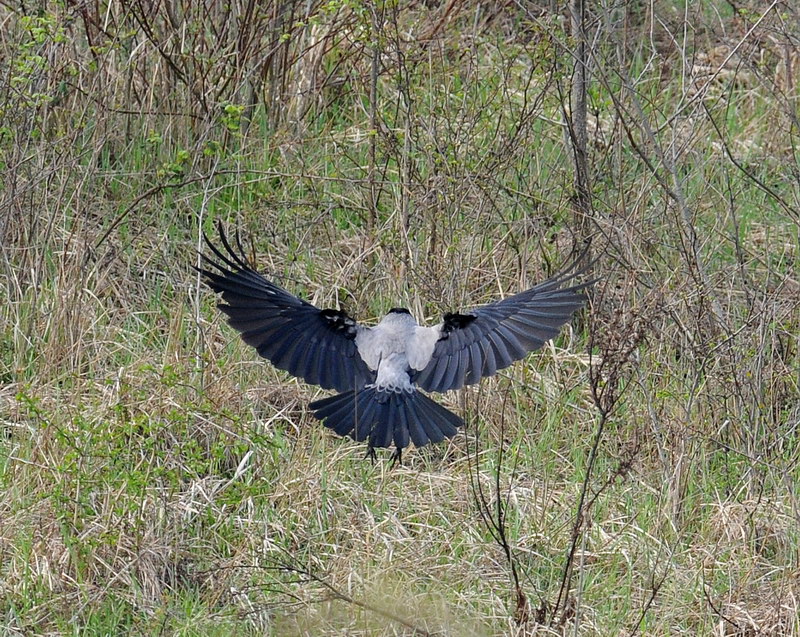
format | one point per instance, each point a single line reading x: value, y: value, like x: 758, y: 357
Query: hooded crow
x: 379, y: 371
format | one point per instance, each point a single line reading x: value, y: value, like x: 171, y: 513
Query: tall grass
x: 157, y: 478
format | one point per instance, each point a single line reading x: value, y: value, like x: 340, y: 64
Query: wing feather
x: 451, y: 368
x: 476, y: 364
x: 489, y: 363
x: 315, y: 345
x: 491, y: 337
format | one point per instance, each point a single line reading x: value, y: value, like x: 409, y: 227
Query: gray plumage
x: 379, y: 370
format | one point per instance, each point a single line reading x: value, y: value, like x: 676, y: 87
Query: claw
x: 397, y: 458
x: 371, y: 454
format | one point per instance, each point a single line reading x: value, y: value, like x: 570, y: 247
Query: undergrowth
x: 637, y: 475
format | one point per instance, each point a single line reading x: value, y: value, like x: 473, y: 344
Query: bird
x: 381, y: 373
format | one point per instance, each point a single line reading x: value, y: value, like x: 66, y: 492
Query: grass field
x: 638, y: 475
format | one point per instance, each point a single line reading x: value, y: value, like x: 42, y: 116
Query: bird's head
x: 398, y: 316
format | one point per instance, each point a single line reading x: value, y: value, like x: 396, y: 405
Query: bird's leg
x: 371, y: 454
x: 397, y: 458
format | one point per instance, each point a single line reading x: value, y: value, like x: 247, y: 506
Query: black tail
x: 386, y: 417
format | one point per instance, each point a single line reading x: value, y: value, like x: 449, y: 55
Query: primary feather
x: 315, y: 345
x: 489, y: 338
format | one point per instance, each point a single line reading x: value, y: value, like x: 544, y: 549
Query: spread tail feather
x: 386, y: 417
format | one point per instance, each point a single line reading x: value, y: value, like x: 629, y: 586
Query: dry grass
x: 157, y: 479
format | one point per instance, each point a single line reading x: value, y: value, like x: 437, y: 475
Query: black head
x: 399, y: 310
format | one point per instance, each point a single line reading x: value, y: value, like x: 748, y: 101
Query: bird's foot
x: 371, y: 454
x: 397, y: 458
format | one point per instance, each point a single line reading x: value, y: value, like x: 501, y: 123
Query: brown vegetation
x: 638, y: 475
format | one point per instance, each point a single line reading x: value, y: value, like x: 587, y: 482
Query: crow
x: 379, y: 371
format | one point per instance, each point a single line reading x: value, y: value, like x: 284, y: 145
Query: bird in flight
x: 380, y: 370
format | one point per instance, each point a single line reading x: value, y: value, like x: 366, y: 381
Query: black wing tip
x: 581, y: 264
x: 233, y: 259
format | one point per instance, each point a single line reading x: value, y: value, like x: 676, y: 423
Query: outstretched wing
x: 315, y: 345
x: 491, y: 337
